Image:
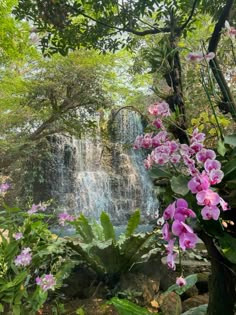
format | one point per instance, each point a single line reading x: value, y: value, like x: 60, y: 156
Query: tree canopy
x: 108, y: 24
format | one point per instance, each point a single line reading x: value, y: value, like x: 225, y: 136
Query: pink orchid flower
x: 230, y: 30
x: 224, y: 205
x: 187, y: 240
x: 170, y: 246
x: 205, y: 154
x: 138, y: 142
x: 197, y: 136
x: 208, y: 198
x: 182, y: 212
x: 169, y: 212
x: 147, y: 141
x: 180, y: 281
x: 210, y: 165
x: 199, y: 183
x: 209, y: 213
x: 179, y: 227
x: 166, y: 231
x: 171, y: 260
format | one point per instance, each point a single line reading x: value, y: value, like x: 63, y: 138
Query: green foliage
x: 80, y: 311
x: 230, y: 139
x: 179, y: 185
x: 227, y: 247
x: 107, y: 226
x: 133, y: 223
x: 14, y: 35
x: 69, y: 23
x: 83, y: 228
x: 125, y: 307
x: 18, y: 290
x: 109, y: 257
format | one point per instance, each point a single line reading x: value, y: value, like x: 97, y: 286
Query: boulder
x: 170, y: 304
x: 195, y: 301
x: 199, y: 310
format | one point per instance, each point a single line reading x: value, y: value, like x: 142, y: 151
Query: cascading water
x: 88, y: 177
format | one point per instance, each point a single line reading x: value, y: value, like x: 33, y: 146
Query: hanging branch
x: 228, y: 104
x: 190, y: 16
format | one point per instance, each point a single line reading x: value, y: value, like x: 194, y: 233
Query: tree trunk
x: 222, y: 295
x: 228, y: 104
x: 174, y: 80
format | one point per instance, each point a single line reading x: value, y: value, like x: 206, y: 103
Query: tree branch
x: 154, y: 30
x: 215, y: 38
x: 228, y: 104
x: 148, y: 32
x: 190, y: 16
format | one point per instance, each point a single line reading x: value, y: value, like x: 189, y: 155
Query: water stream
x: 88, y: 177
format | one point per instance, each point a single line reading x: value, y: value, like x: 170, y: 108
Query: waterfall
x: 88, y: 177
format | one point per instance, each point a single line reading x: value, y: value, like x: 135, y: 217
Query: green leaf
x: 156, y: 172
x: 190, y: 282
x: 11, y: 209
x: 108, y: 229
x: 16, y: 309
x: 1, y: 308
x: 133, y: 223
x: 230, y: 139
x: 80, y: 311
x: 18, y: 279
x: 84, y: 228
x: 228, y: 247
x: 221, y: 149
x: 179, y: 185
x: 125, y: 307
x: 229, y: 167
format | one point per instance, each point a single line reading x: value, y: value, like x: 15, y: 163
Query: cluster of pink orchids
x: 194, y: 160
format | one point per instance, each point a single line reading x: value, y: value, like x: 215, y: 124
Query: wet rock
x: 170, y: 303
x: 190, y: 293
x: 139, y: 288
x: 195, y: 301
x: 81, y: 283
x: 199, y: 310
x: 202, y: 282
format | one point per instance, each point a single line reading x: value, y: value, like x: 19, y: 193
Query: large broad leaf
x: 228, y: 247
x: 179, y: 185
x: 107, y: 226
x: 135, y: 247
x: 84, y: 228
x: 231, y: 139
x: 84, y: 255
x: 108, y: 256
x: 125, y: 307
x: 190, y: 282
x: 229, y: 168
x: 159, y: 172
x: 133, y: 223
x: 212, y: 227
x: 221, y: 149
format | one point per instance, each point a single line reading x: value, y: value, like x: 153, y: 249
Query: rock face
x: 195, y: 301
x: 170, y: 304
x: 200, y: 310
x: 87, y: 176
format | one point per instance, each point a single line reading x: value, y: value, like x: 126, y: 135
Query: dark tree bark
x: 222, y: 281
x: 227, y: 105
x: 174, y: 80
